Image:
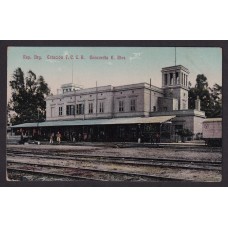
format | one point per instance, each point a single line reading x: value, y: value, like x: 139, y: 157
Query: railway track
x: 80, y: 163
x: 140, y: 161
x: 68, y: 173
x: 103, y: 170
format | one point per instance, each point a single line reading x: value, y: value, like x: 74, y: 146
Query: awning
x: 134, y: 120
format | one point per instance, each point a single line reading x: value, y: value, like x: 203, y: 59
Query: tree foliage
x: 185, y: 133
x: 216, y: 100
x: 28, y: 97
x: 211, y: 98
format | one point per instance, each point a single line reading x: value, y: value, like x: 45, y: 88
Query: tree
x: 28, y: 97
x: 201, y: 89
x: 184, y: 133
x: 211, y: 99
x: 216, y: 100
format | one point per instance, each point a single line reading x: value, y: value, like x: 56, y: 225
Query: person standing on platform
x: 51, y: 138
x: 157, y: 138
x: 58, y: 136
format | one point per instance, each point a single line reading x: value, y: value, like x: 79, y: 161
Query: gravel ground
x: 199, y: 154
x: 196, y: 154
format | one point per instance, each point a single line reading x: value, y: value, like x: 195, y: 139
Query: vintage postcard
x: 119, y: 114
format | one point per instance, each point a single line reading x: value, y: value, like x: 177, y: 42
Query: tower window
x: 177, y: 78
x: 171, y: 78
x: 166, y: 79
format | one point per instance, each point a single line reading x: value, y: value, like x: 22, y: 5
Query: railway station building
x: 122, y: 113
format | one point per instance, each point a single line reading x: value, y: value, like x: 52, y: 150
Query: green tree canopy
x: 216, y: 100
x: 28, y: 97
x: 211, y: 98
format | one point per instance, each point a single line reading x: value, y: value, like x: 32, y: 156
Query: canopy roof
x: 134, y: 120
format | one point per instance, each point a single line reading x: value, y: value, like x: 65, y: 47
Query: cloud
x: 136, y: 55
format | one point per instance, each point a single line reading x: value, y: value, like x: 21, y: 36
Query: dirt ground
x: 197, y: 154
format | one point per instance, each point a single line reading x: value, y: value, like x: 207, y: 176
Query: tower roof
x: 172, y: 68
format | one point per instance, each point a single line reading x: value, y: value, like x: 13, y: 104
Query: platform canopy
x: 119, y: 121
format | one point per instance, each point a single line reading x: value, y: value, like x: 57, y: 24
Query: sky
x: 60, y: 65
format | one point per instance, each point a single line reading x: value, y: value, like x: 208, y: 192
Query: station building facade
x: 123, y: 113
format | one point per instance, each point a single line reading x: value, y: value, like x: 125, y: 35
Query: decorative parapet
x: 179, y: 113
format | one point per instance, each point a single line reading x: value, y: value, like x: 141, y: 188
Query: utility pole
x: 38, y: 117
x: 96, y: 98
x: 175, y: 56
x: 150, y: 95
x: 72, y: 71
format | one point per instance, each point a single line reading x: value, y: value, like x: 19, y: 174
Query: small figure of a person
x: 73, y: 137
x: 58, y: 137
x: 51, y: 138
x: 79, y: 137
x: 157, y: 138
x: 22, y: 138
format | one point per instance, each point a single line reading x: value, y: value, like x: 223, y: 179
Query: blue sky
x: 138, y: 64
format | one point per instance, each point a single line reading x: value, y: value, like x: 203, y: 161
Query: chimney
x: 197, y: 104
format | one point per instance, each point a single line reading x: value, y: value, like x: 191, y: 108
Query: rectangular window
x: 154, y: 108
x: 80, y: 109
x: 60, y: 111
x: 90, y: 108
x: 70, y: 110
x: 133, y: 104
x: 121, y: 106
x: 101, y: 107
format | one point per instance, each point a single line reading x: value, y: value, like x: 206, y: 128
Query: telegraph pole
x: 96, y: 98
x: 175, y: 56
